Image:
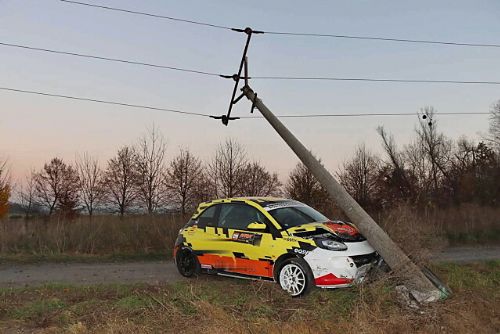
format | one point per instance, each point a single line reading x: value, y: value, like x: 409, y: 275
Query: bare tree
x: 56, y: 187
x: 259, y: 182
x: 120, y: 180
x: 5, y: 188
x: 394, y: 173
x: 226, y: 169
x: 90, y: 177
x: 303, y: 187
x: 390, y: 148
x: 436, y: 147
x: 359, y: 175
x: 465, y: 154
x: 417, y: 165
x: 150, y: 165
x: 495, y: 126
x: 27, y: 194
x: 203, y: 190
x: 183, y: 179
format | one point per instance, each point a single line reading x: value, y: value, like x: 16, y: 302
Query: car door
x: 202, y: 237
x: 251, y: 251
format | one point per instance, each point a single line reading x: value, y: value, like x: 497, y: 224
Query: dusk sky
x: 33, y: 129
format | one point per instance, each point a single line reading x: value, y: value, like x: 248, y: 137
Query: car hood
x: 337, y: 229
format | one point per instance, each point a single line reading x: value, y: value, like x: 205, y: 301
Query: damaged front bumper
x: 337, y: 269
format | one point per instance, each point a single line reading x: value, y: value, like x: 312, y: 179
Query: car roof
x: 262, y: 201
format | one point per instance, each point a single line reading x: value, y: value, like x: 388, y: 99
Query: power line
x: 377, y: 80
x: 147, y: 14
x: 367, y: 115
x: 132, y: 62
x: 103, y: 101
x: 385, y: 39
x: 129, y: 105
x: 213, y: 74
x: 290, y: 33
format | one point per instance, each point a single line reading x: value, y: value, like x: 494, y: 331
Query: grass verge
x: 221, y: 305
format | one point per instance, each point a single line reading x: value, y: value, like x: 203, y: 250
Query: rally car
x: 273, y: 239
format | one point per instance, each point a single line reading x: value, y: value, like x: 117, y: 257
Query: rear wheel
x: 187, y: 263
x: 295, y: 277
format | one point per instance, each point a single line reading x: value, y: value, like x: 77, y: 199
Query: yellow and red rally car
x: 273, y: 239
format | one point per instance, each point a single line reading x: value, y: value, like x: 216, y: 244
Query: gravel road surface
x: 19, y: 275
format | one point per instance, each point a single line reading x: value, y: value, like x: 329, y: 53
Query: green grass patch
x: 132, y: 303
x: 482, y: 276
x: 37, y: 309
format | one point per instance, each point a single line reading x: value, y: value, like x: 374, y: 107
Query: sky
x: 33, y: 129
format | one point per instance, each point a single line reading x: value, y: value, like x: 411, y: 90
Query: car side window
x: 238, y: 216
x: 208, y: 217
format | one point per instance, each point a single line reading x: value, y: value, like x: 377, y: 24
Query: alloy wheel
x: 292, y: 279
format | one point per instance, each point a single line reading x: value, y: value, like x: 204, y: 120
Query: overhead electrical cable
x: 132, y: 62
x: 123, y: 104
x: 208, y: 73
x: 465, y: 82
x: 147, y: 14
x: 385, y: 39
x: 177, y: 111
x: 291, y: 33
x: 366, y: 115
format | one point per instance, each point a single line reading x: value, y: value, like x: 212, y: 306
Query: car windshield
x: 296, y: 215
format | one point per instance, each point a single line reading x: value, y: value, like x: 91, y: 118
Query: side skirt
x: 243, y: 276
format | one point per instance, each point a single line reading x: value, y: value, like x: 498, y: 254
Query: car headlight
x: 331, y: 245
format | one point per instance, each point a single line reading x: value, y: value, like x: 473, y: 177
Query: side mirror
x: 257, y: 226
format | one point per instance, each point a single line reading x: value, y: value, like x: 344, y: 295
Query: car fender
x: 282, y: 258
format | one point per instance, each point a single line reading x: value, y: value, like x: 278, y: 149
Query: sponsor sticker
x: 300, y: 251
x: 247, y: 238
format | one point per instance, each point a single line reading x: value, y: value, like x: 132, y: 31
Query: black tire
x: 295, y: 277
x: 187, y: 263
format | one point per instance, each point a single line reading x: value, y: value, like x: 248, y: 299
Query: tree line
x: 140, y: 179
x: 431, y: 171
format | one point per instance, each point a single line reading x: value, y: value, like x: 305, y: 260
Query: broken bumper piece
x: 343, y: 268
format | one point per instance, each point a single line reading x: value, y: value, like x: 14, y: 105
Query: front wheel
x: 295, y: 277
x: 187, y: 263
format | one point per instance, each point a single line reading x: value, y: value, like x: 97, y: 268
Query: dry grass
x: 419, y: 232
x: 418, y: 238
x: 219, y: 305
x: 103, y: 235
x: 423, y: 232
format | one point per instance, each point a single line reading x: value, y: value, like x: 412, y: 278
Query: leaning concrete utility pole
x: 420, y: 287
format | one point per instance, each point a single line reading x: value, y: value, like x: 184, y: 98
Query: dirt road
x: 468, y: 254
x: 157, y: 272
